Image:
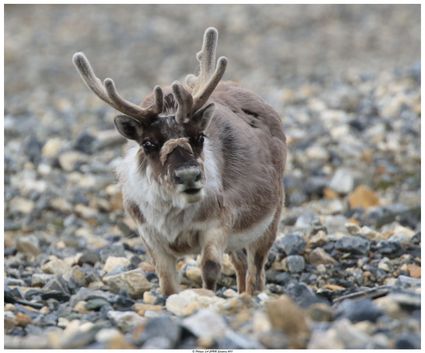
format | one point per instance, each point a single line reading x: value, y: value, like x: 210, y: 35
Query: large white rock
x: 206, y: 324
x: 134, y: 282
x: 189, y: 301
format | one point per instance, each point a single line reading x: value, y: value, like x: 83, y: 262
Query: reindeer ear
x: 127, y: 126
x: 203, y: 116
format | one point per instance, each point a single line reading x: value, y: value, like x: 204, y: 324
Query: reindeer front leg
x: 165, y: 264
x: 213, y: 247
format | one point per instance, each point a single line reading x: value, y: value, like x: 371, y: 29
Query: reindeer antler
x: 109, y: 94
x: 210, y: 75
x: 184, y: 100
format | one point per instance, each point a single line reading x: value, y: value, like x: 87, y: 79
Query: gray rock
x: 116, y: 250
x: 408, y: 341
x: 408, y: 300
x: 85, y: 142
x: 126, y: 320
x: 89, y: 257
x: 353, y: 244
x: 302, y: 294
x: 359, y: 310
x: 160, y: 332
x: 157, y: 342
x: 386, y: 247
x: 87, y: 293
x: 233, y: 340
x: 291, y: 244
x: 96, y: 303
x: 295, y: 263
x: 32, y: 148
x: 406, y: 282
x: 306, y: 220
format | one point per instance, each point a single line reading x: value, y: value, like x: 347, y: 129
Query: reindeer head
x: 170, y: 125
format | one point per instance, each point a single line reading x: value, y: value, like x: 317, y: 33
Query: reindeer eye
x: 149, y: 146
x: 199, y: 140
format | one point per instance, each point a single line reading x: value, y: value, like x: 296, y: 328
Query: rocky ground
x: 345, y: 270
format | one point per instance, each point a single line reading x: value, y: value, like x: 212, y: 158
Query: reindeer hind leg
x: 240, y: 264
x: 257, y: 253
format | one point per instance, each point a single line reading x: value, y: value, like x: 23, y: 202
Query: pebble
x: 402, y: 235
x: 291, y: 244
x: 319, y: 256
x: 133, y: 282
x: 302, y: 294
x: 408, y: 341
x: 318, y: 239
x: 286, y: 316
x: 233, y: 340
x: 70, y: 160
x: 206, y: 324
x: 56, y: 266
x: 320, y: 312
x: 108, y: 334
x: 126, y: 320
x: 194, y: 273
x: 388, y: 247
x: 350, y: 336
x: 274, y: 339
x: 230, y: 293
x: 295, y: 263
x: 354, y: 244
x: 359, y: 310
x: 85, y: 142
x: 342, y: 181
x: 29, y: 245
x: 160, y: 332
x: 329, y: 339
x: 52, y: 147
x: 189, y: 301
x: 142, y: 308
x: 89, y: 257
x: 22, y: 205
x: 113, y: 264
x: 363, y: 197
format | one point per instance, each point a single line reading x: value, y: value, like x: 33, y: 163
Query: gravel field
x: 345, y: 270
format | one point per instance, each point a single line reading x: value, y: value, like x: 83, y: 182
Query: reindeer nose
x: 187, y: 176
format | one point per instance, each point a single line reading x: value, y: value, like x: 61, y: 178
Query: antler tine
x: 158, y: 103
x: 203, y: 85
x: 108, y: 92
x: 206, y: 56
x: 122, y: 104
x: 87, y: 74
x: 184, y: 100
x: 190, y: 80
x: 204, y: 93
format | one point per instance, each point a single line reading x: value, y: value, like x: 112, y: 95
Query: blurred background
x: 141, y: 45
x: 344, y: 78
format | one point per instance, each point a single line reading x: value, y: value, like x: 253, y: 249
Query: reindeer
x: 203, y: 172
